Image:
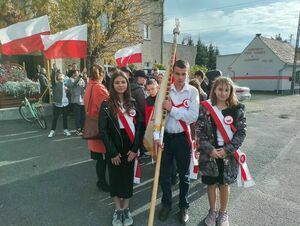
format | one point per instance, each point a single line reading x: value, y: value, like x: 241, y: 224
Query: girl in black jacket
x: 119, y: 133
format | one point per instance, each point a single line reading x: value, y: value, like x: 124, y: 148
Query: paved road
x: 52, y: 181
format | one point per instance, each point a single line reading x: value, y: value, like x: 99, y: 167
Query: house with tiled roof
x: 264, y: 65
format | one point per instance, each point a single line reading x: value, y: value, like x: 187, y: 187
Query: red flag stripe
x: 124, y: 61
x: 67, y: 49
x: 24, y: 45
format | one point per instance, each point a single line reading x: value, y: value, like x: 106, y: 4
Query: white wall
x: 258, y: 60
x: 224, y: 62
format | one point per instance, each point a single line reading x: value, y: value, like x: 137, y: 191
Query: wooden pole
x: 160, y: 115
x: 49, y: 81
x: 155, y: 188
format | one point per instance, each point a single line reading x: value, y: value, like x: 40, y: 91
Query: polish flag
x: 24, y: 37
x: 129, y: 55
x: 71, y: 43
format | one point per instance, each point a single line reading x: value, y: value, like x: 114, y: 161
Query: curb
x: 13, y: 113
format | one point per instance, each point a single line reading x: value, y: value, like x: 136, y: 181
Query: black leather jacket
x: 109, y: 131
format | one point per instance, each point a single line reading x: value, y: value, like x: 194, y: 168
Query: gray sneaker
x: 223, y: 219
x: 127, y: 217
x: 117, y: 218
x: 211, y: 218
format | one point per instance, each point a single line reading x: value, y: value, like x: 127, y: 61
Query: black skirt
x: 121, y: 176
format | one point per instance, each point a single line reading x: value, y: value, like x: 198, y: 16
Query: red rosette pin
x: 132, y: 112
x: 228, y: 120
x: 243, y: 158
x: 186, y: 103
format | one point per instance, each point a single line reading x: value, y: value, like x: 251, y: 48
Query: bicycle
x: 32, y: 112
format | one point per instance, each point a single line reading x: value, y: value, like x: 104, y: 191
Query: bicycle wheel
x: 40, y: 119
x: 25, y: 113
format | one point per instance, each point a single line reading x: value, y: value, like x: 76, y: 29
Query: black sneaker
x: 163, y: 214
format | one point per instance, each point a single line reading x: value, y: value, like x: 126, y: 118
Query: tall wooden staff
x: 160, y: 118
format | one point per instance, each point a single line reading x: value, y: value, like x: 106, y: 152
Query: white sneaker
x: 51, y: 134
x: 117, y: 218
x: 211, y: 218
x: 127, y: 218
x: 67, y: 132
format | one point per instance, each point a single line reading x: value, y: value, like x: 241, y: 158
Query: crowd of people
x: 123, y: 101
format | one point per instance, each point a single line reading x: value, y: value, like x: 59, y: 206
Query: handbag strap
x: 89, y: 104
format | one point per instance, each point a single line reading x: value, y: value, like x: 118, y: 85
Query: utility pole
x: 295, y: 59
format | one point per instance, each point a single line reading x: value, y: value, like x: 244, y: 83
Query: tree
x: 197, y: 68
x: 188, y: 41
x: 201, y: 56
x: 112, y: 24
x: 213, y: 52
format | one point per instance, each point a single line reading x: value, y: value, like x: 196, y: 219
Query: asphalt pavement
x: 53, y: 182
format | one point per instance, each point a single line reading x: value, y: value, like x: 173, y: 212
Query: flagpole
x: 160, y: 120
x: 49, y: 80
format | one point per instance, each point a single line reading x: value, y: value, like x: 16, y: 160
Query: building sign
x: 255, y: 54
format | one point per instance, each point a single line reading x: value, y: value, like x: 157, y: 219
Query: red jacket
x: 99, y: 94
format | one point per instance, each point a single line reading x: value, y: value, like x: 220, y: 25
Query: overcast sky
x: 232, y: 24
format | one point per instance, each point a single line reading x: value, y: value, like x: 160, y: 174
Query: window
x: 146, y: 31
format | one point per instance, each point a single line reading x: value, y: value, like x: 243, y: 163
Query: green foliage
x: 197, y: 68
x: 206, y: 55
x: 159, y: 66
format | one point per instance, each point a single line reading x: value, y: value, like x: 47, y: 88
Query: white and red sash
x: 227, y: 130
x: 194, y: 169
x: 130, y: 132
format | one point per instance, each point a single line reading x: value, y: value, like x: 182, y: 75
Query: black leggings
x: 56, y: 112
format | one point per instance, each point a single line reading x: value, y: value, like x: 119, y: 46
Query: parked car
x: 242, y: 93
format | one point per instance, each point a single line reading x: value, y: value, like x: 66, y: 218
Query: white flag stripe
x: 24, y: 29
x: 128, y: 51
x: 78, y: 33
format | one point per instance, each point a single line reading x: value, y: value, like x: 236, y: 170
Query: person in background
x: 128, y: 73
x: 201, y: 78
x: 217, y: 163
x: 120, y: 134
x: 195, y: 82
x: 60, y: 102
x: 73, y: 70
x: 95, y: 94
x: 77, y: 85
x: 152, y: 90
x: 159, y: 78
x: 138, y: 93
x: 43, y: 81
x: 155, y: 72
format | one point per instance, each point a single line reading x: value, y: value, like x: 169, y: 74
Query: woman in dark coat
x: 120, y: 135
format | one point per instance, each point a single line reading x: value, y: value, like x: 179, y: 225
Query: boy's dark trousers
x: 175, y: 146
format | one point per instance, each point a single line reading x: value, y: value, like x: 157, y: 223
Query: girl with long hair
x: 217, y: 163
x: 120, y: 134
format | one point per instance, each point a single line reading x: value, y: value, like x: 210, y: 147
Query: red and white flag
x: 71, y: 43
x: 24, y: 37
x: 129, y: 55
